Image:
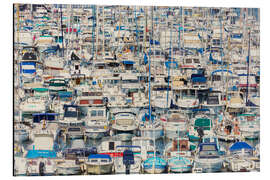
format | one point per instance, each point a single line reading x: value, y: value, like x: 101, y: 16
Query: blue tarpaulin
x: 32, y: 154
x: 240, y: 145
x: 128, y: 62
x: 97, y: 156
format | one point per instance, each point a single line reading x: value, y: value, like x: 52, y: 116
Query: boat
x: 235, y: 102
x: 124, y: 125
x: 146, y: 145
x: 96, y: 123
x: 208, y: 158
x: 249, y: 125
x: 99, y: 164
x: 187, y: 100
x: 154, y: 165
x: 198, y: 123
x: 150, y: 127
x: 130, y: 162
x: 179, y: 154
x: 21, y: 132
x: 71, y: 117
x: 30, y: 106
x: 241, y: 158
x: 175, y: 124
x: 40, y: 159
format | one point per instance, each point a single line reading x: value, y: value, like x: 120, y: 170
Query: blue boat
x: 154, y: 165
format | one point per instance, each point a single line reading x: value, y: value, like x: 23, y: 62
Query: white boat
x: 249, y: 125
x: 151, y: 128
x: 96, y: 122
x: 235, y: 102
x: 208, y: 159
x: 40, y: 160
x: 241, y: 158
x: 187, y: 100
x: 32, y: 105
x: 130, y: 160
x: 146, y: 145
x: 21, y: 132
x: 71, y: 117
x: 124, y: 125
x: 99, y: 164
x: 175, y: 124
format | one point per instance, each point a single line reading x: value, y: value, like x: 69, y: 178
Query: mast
x: 103, y: 43
x: 149, y: 77
x: 169, y: 61
x: 97, y: 30
x: 93, y: 28
x: 61, y: 21
x: 248, y: 59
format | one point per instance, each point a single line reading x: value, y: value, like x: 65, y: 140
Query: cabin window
x: 212, y: 100
x: 74, y: 129
x: 93, y: 113
x: 76, y: 67
x: 188, y: 61
x: 111, y: 145
x: 104, y: 160
x: 216, y: 77
x: 100, y: 113
x: 196, y: 61
x: 94, y: 160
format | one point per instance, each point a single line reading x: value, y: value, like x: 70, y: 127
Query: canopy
x: 99, y: 156
x: 37, y: 117
x: 32, y: 154
x: 128, y: 62
x: 202, y: 122
x: 240, y: 145
x: 64, y: 94
x: 221, y: 70
x: 40, y: 89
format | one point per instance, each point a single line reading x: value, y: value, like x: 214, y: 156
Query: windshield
x: 212, y: 100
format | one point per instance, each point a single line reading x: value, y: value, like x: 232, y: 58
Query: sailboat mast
x: 97, y: 30
x: 248, y: 58
x: 149, y: 77
x: 62, y: 29
x: 170, y: 62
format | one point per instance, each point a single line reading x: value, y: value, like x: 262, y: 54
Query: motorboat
x: 96, y: 122
x: 99, y: 164
x: 208, y: 158
x: 175, y: 124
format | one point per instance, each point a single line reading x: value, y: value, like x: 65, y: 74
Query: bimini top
x: 240, y: 145
x: 99, y: 156
x: 32, y: 154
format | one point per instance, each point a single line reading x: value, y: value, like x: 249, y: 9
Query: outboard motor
x: 41, y: 168
x: 200, y: 133
x: 128, y: 159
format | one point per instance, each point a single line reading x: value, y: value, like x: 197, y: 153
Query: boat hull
x: 99, y: 169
